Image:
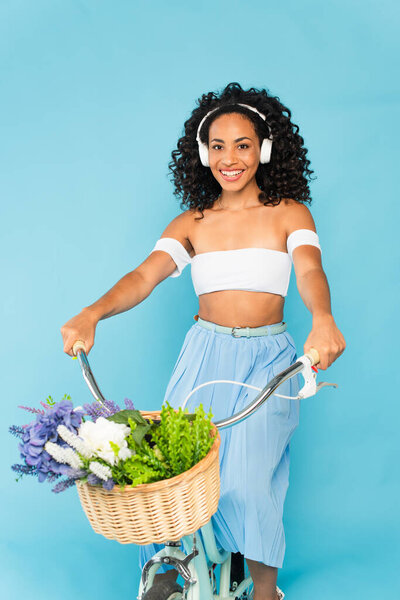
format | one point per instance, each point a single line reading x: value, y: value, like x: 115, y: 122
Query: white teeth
x: 231, y: 173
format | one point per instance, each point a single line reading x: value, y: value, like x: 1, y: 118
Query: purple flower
x: 105, y: 409
x: 76, y: 473
x: 44, y: 429
x: 63, y: 485
x: 24, y: 470
x: 17, y: 431
x: 129, y: 404
x: 101, y: 409
x: 109, y: 484
x: 53, y: 476
x: 38, y: 411
x: 93, y: 479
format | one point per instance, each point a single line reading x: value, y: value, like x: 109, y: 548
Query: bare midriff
x: 258, y: 226
x: 238, y: 308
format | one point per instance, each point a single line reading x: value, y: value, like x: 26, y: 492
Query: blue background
x: 93, y: 99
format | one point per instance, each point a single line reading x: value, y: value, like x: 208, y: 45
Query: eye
x: 219, y: 146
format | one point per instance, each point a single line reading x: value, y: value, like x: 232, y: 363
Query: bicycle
x: 197, y: 566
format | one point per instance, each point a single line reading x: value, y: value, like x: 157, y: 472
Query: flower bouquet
x: 141, y: 476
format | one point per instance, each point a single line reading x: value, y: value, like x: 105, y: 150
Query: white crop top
x: 251, y: 269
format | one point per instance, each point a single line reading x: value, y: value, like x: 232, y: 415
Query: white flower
x: 100, y: 470
x: 97, y: 436
x: 74, y: 441
x: 63, y: 455
x: 124, y: 453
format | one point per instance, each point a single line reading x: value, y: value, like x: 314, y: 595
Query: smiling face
x: 233, y: 151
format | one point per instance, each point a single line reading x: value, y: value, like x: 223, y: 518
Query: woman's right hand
x: 81, y: 327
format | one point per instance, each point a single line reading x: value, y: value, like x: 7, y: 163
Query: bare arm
x: 313, y: 286
x: 128, y: 292
x: 314, y: 290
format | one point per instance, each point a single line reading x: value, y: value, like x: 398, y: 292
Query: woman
x: 242, y: 170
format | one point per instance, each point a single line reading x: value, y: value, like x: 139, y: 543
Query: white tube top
x: 251, y: 269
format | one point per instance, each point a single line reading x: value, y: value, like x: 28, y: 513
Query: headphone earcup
x: 266, y: 147
x: 203, y: 152
x: 265, y: 154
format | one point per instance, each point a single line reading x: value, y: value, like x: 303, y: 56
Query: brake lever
x: 310, y: 387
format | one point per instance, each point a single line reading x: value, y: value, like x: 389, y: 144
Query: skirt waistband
x: 272, y: 329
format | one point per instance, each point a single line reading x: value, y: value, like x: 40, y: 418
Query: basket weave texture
x: 160, y: 511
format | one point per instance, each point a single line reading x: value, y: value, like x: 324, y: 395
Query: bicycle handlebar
x: 79, y: 350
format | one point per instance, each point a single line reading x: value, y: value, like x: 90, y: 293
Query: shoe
x: 281, y: 595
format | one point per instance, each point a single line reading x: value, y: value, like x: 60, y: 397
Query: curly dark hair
x: 285, y: 176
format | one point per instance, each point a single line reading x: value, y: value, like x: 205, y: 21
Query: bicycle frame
x: 196, y: 569
x: 194, y: 566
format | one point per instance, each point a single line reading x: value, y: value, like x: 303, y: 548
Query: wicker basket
x: 156, y: 512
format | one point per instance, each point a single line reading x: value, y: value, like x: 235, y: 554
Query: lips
x: 232, y: 177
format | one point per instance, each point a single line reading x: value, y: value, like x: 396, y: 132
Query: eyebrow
x: 237, y: 140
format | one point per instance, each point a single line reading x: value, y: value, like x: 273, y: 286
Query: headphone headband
x: 266, y: 145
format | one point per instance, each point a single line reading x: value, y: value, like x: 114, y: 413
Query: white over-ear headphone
x: 266, y: 145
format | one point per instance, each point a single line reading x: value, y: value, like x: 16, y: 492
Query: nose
x: 229, y: 157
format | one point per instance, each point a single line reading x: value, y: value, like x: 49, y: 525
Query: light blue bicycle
x: 197, y: 566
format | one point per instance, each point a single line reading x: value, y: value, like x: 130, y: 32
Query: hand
x: 82, y: 327
x: 327, y: 339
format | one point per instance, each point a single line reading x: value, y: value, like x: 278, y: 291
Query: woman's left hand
x: 327, y: 339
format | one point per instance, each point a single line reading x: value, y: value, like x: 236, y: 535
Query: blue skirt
x: 254, y: 454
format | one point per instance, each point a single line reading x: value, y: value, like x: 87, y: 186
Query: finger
x: 68, y: 349
x: 307, y: 351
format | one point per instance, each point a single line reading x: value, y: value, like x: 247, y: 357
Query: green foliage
x: 137, y: 471
x: 138, y: 432
x: 115, y: 448
x: 51, y: 402
x: 183, y: 442
x: 201, y: 434
x: 144, y: 466
x: 164, y: 448
x: 123, y: 416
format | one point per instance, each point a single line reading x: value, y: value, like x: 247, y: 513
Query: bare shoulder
x: 296, y: 215
x: 179, y: 229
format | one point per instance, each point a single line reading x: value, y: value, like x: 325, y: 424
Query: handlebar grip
x: 78, y: 345
x: 313, y: 356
